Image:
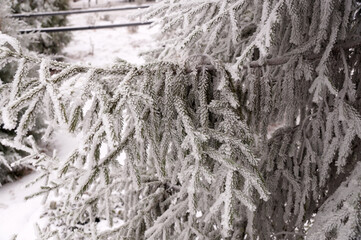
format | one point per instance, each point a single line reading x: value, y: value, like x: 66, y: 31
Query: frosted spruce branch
x: 178, y: 160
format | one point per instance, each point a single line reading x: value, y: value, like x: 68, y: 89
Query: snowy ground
x: 102, y: 46
x: 18, y: 216
x: 96, y: 47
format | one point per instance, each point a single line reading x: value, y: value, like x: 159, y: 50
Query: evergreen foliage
x: 8, y: 155
x: 35, y: 42
x: 245, y: 124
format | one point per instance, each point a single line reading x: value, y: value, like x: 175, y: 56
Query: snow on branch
x: 165, y: 136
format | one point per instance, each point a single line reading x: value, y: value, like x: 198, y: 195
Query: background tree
x: 245, y: 101
x: 48, y: 43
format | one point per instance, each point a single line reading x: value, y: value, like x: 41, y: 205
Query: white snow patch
x: 121, y: 158
x: 104, y: 226
x: 103, y: 150
x: 65, y: 143
x: 17, y: 215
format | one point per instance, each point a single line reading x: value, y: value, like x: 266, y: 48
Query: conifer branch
x: 347, y: 44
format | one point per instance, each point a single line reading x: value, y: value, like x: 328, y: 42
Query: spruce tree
x: 244, y: 124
